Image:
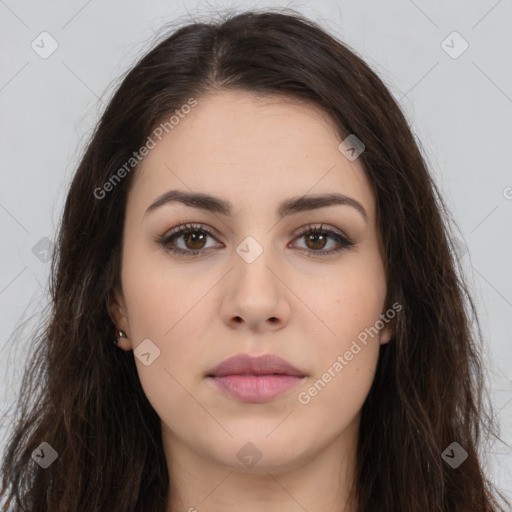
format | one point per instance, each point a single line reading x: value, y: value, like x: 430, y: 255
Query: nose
x: 255, y: 295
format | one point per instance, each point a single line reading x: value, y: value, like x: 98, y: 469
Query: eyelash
x: 164, y: 240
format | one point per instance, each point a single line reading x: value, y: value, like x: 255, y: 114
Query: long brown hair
x: 82, y: 396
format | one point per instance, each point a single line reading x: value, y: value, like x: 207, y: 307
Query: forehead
x: 250, y: 149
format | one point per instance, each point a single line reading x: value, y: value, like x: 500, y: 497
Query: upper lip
x: 244, y: 364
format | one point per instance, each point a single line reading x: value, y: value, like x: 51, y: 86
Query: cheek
x: 175, y: 322
x: 344, y: 301
x: 346, y: 341
x: 172, y: 320
x: 166, y: 305
x: 333, y: 399
x: 161, y: 296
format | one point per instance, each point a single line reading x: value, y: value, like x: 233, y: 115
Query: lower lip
x: 256, y: 388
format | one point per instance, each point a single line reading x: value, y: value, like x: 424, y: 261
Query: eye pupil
x: 195, y: 236
x: 316, y: 237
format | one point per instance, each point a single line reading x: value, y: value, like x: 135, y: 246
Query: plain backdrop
x: 455, y: 89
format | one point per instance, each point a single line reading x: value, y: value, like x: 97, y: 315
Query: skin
x: 253, y: 151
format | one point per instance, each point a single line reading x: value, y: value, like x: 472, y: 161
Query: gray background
x: 459, y: 106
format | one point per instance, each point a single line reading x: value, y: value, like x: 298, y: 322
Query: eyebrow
x: 293, y: 205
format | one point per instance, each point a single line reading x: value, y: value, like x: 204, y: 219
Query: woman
x: 254, y: 227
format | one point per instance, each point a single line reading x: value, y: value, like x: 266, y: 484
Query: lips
x: 255, y: 379
x: 245, y: 364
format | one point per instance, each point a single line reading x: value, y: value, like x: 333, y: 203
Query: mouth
x: 255, y: 379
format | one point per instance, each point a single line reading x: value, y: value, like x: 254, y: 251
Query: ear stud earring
x: 121, y: 334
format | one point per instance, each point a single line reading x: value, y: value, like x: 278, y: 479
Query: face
x: 255, y: 280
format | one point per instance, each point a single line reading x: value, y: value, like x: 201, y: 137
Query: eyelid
x: 191, y: 226
x: 322, y: 227
x: 211, y: 231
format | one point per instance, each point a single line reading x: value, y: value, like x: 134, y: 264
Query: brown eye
x: 187, y: 240
x: 194, y: 240
x: 316, y: 241
x: 191, y: 240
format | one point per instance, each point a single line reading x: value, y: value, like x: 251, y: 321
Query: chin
x: 258, y: 454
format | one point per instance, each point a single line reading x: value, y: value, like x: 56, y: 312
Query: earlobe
x: 389, y: 319
x: 386, y: 334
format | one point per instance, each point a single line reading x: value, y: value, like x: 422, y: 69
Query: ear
x: 118, y: 313
x: 387, y: 332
